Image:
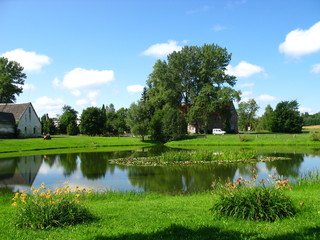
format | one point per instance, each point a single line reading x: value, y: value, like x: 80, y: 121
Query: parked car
x: 217, y: 131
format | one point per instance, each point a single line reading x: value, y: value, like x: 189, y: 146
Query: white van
x: 217, y: 131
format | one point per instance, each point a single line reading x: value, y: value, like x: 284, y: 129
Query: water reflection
x: 94, y: 170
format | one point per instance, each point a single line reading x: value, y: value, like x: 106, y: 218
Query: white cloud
x: 56, y: 82
x: 82, y: 78
x: 82, y: 102
x: 161, y: 50
x: 218, y: 28
x: 244, y: 69
x: 30, y: 61
x: 244, y: 85
x: 301, y: 42
x: 76, y: 93
x: 265, y: 98
x: 93, y: 94
x: 304, y: 110
x: 315, y: 68
x: 48, y: 105
x: 28, y: 86
x: 135, y: 89
x: 246, y: 93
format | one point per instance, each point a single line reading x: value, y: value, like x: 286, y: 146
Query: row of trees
x: 93, y: 121
x: 284, y: 118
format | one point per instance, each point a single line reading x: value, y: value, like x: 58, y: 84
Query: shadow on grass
x: 308, y: 233
x: 177, y: 232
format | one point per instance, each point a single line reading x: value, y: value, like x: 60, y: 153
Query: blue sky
x: 88, y: 53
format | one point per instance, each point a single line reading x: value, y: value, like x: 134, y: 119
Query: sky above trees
x: 89, y: 53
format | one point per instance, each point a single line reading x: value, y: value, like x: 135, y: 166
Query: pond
x: 93, y: 170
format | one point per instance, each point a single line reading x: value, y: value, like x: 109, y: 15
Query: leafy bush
x: 247, y: 200
x: 243, y: 138
x: 315, y: 136
x: 46, y: 208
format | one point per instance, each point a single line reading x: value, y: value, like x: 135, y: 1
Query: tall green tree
x: 11, y: 80
x: 192, y: 78
x: 92, y: 121
x: 47, y: 125
x: 266, y: 119
x: 246, y: 114
x: 137, y: 119
x: 69, y: 115
x: 287, y: 118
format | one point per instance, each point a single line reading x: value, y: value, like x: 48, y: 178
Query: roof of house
x: 7, y: 118
x: 17, y: 109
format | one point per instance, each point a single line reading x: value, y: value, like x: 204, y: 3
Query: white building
x: 26, y: 118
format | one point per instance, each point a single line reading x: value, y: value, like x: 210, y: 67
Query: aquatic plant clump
x: 45, y: 208
x: 244, y: 199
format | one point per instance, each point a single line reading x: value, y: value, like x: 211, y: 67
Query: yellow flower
x: 48, y: 196
x: 78, y: 195
x: 14, y: 204
x: 32, y: 188
x: 49, y: 191
x: 42, y: 194
x: 52, y: 202
x: 42, y: 184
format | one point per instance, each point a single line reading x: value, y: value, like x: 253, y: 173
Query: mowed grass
x: 154, y: 216
x: 267, y: 139
x: 64, y: 144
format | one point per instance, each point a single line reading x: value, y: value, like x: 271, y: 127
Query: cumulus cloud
x: 135, y: 89
x: 76, y: 93
x: 30, y: 61
x: 244, y: 69
x: 81, y: 78
x: 246, y: 93
x: 304, y: 110
x: 161, y: 50
x: 316, y: 68
x: 48, y: 105
x: 265, y: 98
x: 301, y: 42
x: 29, y: 86
x: 244, y: 85
x: 56, y: 82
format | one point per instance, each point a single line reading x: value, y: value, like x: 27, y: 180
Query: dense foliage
x: 286, y: 118
x: 311, y: 119
x: 92, y: 121
x: 11, y: 80
x: 68, y: 117
x: 246, y: 114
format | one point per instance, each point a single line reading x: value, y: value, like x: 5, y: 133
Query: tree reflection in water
x: 88, y: 167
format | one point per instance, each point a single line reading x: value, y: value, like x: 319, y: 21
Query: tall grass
x: 249, y: 200
x: 205, y: 156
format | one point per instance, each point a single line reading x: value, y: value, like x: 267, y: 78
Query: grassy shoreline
x: 72, y: 144
x: 69, y: 144
x: 154, y: 216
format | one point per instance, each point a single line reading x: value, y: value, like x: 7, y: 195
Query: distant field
x: 312, y: 127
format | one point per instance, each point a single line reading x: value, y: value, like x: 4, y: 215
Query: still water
x: 93, y: 170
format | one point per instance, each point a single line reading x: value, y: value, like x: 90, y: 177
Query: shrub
x: 315, y: 136
x: 46, y: 208
x: 247, y: 200
x: 243, y: 138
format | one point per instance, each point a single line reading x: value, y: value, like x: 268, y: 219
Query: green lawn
x: 65, y: 144
x: 267, y: 139
x: 153, y: 216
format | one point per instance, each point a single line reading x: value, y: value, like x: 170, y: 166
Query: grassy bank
x: 153, y: 216
x: 248, y: 140
x: 66, y: 144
